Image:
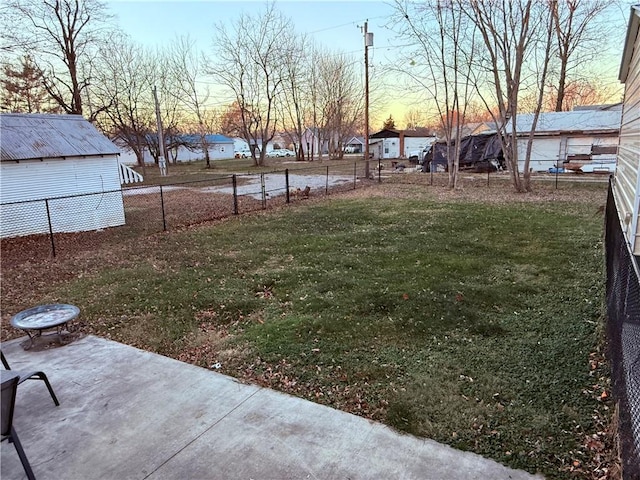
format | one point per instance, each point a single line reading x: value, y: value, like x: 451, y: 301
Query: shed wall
x: 627, y: 181
x: 545, y: 153
x: 416, y: 144
x: 24, y: 186
x: 391, y: 148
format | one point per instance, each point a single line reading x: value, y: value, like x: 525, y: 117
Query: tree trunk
x: 561, y: 86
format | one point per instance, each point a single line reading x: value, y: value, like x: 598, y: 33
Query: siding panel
x: 626, y: 187
x: 33, y: 181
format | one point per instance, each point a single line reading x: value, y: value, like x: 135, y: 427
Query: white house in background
x: 52, y: 156
x: 311, y: 142
x: 190, y: 148
x: 391, y: 143
x: 354, y: 145
x: 626, y: 185
x: 579, y: 137
x: 240, y: 144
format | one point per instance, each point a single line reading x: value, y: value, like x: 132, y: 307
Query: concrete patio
x: 129, y: 414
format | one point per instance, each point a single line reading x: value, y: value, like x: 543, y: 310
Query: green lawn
x: 469, y: 322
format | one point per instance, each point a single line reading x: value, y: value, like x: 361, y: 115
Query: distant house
x: 576, y: 138
x: 189, y: 148
x: 54, y: 156
x: 312, y: 143
x: 354, y: 145
x: 391, y: 143
x: 240, y: 144
x: 186, y: 148
x: 626, y: 186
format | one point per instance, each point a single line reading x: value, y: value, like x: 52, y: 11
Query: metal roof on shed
x: 575, y: 121
x: 25, y: 136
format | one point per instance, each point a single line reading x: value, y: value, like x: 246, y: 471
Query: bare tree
x: 248, y: 65
x: 127, y: 73
x: 414, y: 118
x: 186, y: 69
x: 440, y: 65
x: 294, y: 105
x: 580, y: 92
x: 62, y: 36
x: 541, y: 59
x: 577, y: 34
x: 231, y: 120
x: 339, y: 99
x: 510, y: 30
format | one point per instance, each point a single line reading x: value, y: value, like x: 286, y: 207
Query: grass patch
x: 469, y: 322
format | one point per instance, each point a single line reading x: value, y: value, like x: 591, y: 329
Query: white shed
x: 581, y: 135
x: 58, y: 173
x: 391, y: 143
x: 626, y: 187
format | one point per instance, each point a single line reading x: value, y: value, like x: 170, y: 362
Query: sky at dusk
x: 333, y: 24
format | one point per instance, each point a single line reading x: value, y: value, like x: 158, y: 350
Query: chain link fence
x: 623, y: 331
x: 39, y: 229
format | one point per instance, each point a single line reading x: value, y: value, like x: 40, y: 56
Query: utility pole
x: 368, y: 42
x: 162, y: 163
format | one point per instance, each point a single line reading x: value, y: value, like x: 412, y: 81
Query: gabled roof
x: 386, y: 133
x: 632, y: 35
x: 565, y: 122
x: 26, y: 136
x: 393, y: 133
x: 353, y: 140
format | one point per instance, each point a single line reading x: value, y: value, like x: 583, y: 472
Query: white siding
x: 627, y: 182
x: 217, y: 151
x: 416, y: 143
x: 545, y: 153
x: 33, y: 181
x: 391, y: 148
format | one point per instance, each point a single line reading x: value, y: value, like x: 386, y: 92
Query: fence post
x: 379, y: 170
x: 286, y: 183
x: 164, y: 218
x: 53, y: 243
x: 234, y: 181
x: 326, y: 182
x: 264, y: 192
x: 488, y: 174
x: 355, y: 174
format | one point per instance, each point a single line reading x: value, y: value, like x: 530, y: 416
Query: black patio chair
x: 8, y: 401
x: 28, y: 375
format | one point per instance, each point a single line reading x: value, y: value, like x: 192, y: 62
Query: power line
x: 354, y: 22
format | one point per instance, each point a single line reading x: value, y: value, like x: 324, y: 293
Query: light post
x: 368, y: 42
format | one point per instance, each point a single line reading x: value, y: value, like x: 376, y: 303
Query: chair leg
x: 42, y: 376
x: 22, y: 455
